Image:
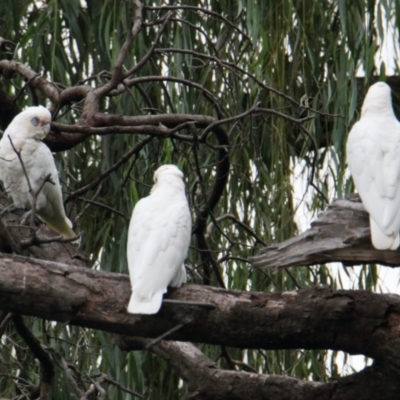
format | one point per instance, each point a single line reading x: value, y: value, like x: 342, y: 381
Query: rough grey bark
x: 312, y: 318
x: 358, y: 322
x: 55, y: 251
x: 207, y: 381
x: 340, y: 233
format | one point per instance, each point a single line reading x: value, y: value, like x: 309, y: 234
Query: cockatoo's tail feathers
x: 140, y: 305
x: 58, y: 224
x: 380, y: 240
x: 179, y: 278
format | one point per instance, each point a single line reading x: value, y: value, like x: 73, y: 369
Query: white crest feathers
x: 158, y: 241
x: 373, y: 156
x: 26, y: 131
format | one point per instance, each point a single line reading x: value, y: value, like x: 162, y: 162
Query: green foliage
x: 310, y: 51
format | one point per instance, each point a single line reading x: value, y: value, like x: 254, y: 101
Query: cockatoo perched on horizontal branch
x: 373, y: 156
x: 158, y: 241
x: 26, y: 132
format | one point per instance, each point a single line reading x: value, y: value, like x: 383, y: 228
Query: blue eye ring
x: 35, y: 121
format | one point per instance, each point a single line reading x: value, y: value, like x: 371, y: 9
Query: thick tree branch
x: 154, y: 124
x: 316, y: 318
x: 36, y: 81
x: 11, y: 230
x: 208, y: 382
x: 340, y: 233
x: 164, y: 125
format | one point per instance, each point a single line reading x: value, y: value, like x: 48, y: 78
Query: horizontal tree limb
x: 340, y: 233
x: 358, y: 322
x: 206, y: 381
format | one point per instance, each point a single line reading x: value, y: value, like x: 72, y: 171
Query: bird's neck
x: 169, y: 185
x: 22, y: 143
x: 380, y: 107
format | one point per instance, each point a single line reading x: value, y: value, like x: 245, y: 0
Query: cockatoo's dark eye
x: 35, y: 121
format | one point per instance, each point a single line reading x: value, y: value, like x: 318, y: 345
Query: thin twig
x: 203, y: 10
x: 117, y: 74
x: 46, y: 364
x: 119, y: 386
x: 140, y: 64
x: 31, y: 191
x: 27, y: 83
x: 18, y: 153
x: 164, y: 335
x: 242, y: 225
x: 78, y: 391
x: 5, y: 318
x: 85, y: 207
x: 113, y: 210
x: 102, y: 176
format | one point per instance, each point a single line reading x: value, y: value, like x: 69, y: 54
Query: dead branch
x: 340, y: 233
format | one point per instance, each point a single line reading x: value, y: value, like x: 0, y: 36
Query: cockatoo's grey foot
x: 25, y: 218
x: 10, y: 209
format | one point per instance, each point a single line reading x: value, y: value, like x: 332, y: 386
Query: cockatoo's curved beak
x: 46, y: 127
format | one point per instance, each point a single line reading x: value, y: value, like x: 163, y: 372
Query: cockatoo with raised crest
x: 373, y: 156
x: 158, y: 241
x: 26, y: 132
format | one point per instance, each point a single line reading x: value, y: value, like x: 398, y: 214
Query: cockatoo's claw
x: 25, y: 218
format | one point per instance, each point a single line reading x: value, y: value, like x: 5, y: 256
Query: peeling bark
x: 340, y: 233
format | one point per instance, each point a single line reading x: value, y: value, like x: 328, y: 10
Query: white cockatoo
x: 26, y: 132
x: 373, y: 156
x: 158, y: 241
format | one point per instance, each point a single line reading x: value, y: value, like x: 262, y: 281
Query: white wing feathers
x: 373, y: 156
x: 158, y: 242
x: 26, y: 132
